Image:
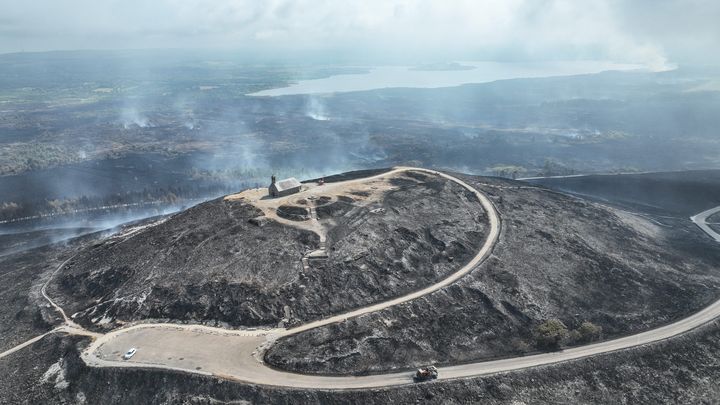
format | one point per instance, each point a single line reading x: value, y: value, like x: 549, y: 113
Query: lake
x: 408, y: 76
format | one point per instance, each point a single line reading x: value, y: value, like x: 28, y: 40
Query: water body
x: 408, y: 76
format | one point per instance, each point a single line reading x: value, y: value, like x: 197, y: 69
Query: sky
x: 652, y: 32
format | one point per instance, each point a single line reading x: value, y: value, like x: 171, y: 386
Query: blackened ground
x: 24, y: 312
x: 21, y: 241
x: 352, y: 175
x: 680, y: 193
x: 335, y: 209
x: 20, y: 318
x: 26, y: 379
x: 211, y: 264
x: 293, y: 213
x: 206, y: 263
x: 420, y: 232
x: 557, y: 257
x: 682, y: 370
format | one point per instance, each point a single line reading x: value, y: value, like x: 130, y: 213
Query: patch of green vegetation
x: 550, y: 334
x: 586, y: 332
x: 553, y: 334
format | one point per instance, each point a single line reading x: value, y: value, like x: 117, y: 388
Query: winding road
x: 237, y: 354
x: 701, y: 221
x: 194, y: 348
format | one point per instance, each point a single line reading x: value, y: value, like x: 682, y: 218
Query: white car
x: 129, y: 353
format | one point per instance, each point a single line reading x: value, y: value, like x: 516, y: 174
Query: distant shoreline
x: 382, y: 77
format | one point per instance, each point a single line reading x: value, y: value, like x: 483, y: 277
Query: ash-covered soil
x: 683, y: 193
x: 424, y: 228
x: 20, y: 241
x: 20, y: 317
x: 214, y: 263
x: 293, y: 213
x: 351, y: 175
x: 714, y: 218
x: 682, y: 370
x: 558, y: 257
x: 24, y: 313
x: 205, y: 263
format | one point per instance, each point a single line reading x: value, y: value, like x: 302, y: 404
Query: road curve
x: 481, y: 255
x: 246, y: 368
x: 249, y: 370
x: 701, y: 221
x: 246, y: 364
x: 237, y: 354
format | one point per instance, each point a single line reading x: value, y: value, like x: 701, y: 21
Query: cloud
x: 628, y: 31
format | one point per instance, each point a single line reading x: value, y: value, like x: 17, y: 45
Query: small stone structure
x: 283, y: 188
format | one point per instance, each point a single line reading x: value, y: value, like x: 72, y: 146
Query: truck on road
x: 425, y: 374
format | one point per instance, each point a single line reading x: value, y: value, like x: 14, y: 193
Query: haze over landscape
x: 346, y: 194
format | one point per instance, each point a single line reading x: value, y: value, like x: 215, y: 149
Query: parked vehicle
x: 426, y: 374
x: 129, y: 353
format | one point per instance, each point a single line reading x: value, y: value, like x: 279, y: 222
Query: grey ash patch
x: 20, y: 278
x: 335, y: 209
x: 293, y: 213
